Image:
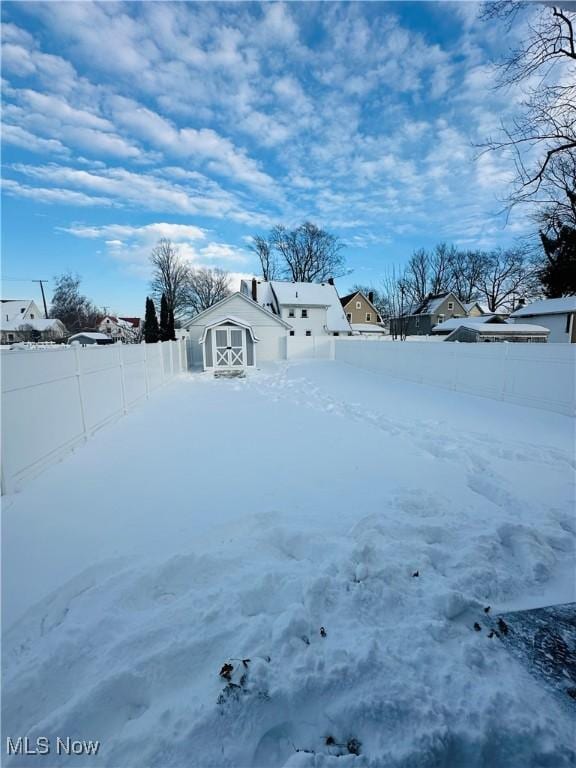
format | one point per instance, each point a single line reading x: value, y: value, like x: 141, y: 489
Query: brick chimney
x: 371, y: 297
x: 330, y: 281
x: 254, y: 289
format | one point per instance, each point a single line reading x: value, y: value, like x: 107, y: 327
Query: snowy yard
x: 233, y: 519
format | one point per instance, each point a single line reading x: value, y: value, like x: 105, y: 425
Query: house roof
x: 90, y: 335
x: 313, y: 295
x: 456, y: 322
x: 503, y: 329
x: 346, y: 299
x: 367, y: 327
x: 469, y: 305
x: 547, y: 307
x: 223, y: 302
x: 14, y: 308
x: 133, y: 321
x: 227, y: 319
x: 433, y: 303
x: 38, y: 324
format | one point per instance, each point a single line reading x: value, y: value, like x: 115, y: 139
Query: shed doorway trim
x: 229, y: 347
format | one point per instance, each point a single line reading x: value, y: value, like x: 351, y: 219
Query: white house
x: 558, y: 315
x: 311, y: 309
x: 235, y: 333
x: 120, y: 328
x: 22, y: 320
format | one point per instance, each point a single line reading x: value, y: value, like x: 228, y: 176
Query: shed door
x: 229, y: 347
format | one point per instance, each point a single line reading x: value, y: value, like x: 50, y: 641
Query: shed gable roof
x: 203, y: 316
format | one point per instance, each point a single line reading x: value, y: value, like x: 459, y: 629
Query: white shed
x: 235, y: 333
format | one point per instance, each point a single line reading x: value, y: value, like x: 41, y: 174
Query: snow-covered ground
x: 228, y: 520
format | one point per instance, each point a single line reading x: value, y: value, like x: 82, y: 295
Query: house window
x: 450, y: 305
x: 336, y: 333
x: 291, y: 333
x: 308, y: 333
x: 358, y: 305
x: 31, y: 317
x: 568, y: 323
x: 22, y: 309
x: 10, y: 337
x: 417, y: 322
x: 368, y: 317
x: 304, y: 313
x: 349, y: 317
x: 291, y: 313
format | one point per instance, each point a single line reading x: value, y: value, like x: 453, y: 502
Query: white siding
x: 315, y: 322
x: 555, y: 323
x: 270, y: 333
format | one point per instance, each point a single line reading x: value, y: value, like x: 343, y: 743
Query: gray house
x: 435, y: 309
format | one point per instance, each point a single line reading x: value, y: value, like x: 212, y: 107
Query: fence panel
x: 538, y: 375
x: 51, y: 401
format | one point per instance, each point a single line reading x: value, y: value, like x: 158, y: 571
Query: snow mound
x: 330, y: 644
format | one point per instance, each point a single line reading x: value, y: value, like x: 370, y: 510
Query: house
x: 311, y: 309
x: 22, y: 320
x: 420, y: 320
x: 120, y: 328
x: 89, y: 337
x: 362, y: 315
x: 497, y: 330
x: 558, y: 315
x: 236, y: 333
x: 474, y: 309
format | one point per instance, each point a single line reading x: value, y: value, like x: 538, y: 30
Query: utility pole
x: 43, y: 296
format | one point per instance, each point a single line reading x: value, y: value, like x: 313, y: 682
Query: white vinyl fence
x: 53, y: 400
x: 537, y: 375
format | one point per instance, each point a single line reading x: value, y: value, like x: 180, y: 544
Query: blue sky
x: 210, y: 122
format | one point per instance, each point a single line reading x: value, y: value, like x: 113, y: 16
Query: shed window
x: 308, y: 333
x: 368, y: 317
x: 291, y: 313
x: 304, y: 313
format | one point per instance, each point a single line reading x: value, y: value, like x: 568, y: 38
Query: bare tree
x: 309, y: 254
x: 206, y: 287
x: 268, y: 262
x: 506, y: 276
x: 466, y: 268
x: 416, y: 278
x: 543, y: 138
x: 76, y: 311
x: 396, y: 296
x: 170, y: 277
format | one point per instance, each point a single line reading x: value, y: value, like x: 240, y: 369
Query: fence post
x: 122, y: 382
x: 146, y: 372
x: 79, y: 384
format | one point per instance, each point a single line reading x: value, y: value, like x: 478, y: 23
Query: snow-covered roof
x: 40, y: 324
x: 456, y: 322
x: 367, y: 328
x: 469, y: 306
x: 227, y: 319
x: 194, y: 320
x: 547, y: 307
x: 505, y: 329
x: 13, y: 309
x: 433, y: 303
x: 313, y: 295
x: 90, y: 335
